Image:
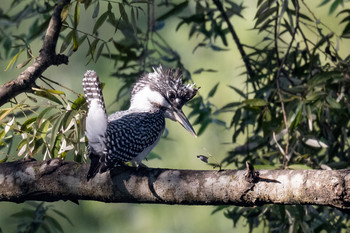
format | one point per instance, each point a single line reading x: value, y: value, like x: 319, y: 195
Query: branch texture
x: 55, y: 180
x: 47, y: 57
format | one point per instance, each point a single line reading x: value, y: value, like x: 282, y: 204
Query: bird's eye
x: 171, y: 95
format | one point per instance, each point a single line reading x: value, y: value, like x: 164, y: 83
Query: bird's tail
x: 96, y: 121
x: 97, y: 164
x: 92, y: 89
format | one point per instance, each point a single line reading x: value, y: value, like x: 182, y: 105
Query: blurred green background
x: 178, y: 150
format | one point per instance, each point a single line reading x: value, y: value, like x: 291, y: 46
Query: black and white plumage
x: 130, y: 135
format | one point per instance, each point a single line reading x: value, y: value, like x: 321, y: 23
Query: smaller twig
x: 86, y: 33
x: 315, y: 18
x: 278, y: 145
x: 235, y: 37
x: 47, y: 57
x: 59, y: 84
x: 280, y: 67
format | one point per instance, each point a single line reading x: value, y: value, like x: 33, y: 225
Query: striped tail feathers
x: 96, y: 121
x: 92, y: 89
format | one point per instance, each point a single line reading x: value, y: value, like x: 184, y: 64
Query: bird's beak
x: 182, y: 119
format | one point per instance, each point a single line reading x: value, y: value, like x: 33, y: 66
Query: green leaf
x: 38, y: 145
x: 67, y: 118
x: 334, y: 6
x: 14, y: 59
x: 123, y: 13
x: 76, y: 14
x: 322, y: 78
x: 265, y: 167
x: 54, y: 223
x: 63, y: 216
x: 25, y: 213
x: 41, y: 118
x: 92, y: 49
x: 56, y: 136
x: 99, y: 51
x: 346, y: 31
x: 78, y: 103
x: 333, y: 103
x: 199, y: 71
x: 99, y: 22
x: 175, y: 10
x: 213, y: 90
x: 65, y: 11
x: 255, y: 102
x: 217, y: 48
x: 263, y: 13
x: 44, y: 128
x: 230, y: 106
x: 4, y: 113
x: 241, y: 93
x: 75, y: 41
x: 46, y: 94
x: 299, y: 167
x: 96, y: 10
x: 66, y: 41
x: 22, y: 146
x: 133, y: 21
x: 57, y: 92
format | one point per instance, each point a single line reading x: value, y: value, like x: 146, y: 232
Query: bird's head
x: 163, y: 89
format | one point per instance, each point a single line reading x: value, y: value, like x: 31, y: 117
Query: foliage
x: 294, y: 111
x: 36, y: 219
x: 49, y: 128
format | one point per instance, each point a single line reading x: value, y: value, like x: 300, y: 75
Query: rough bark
x: 47, y: 57
x: 55, y: 180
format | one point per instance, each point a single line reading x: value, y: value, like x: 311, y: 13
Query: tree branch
x: 55, y: 180
x: 47, y: 57
x: 235, y: 37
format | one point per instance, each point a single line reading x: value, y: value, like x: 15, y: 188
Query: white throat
x: 147, y: 100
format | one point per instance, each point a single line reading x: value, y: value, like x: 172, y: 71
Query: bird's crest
x: 171, y: 78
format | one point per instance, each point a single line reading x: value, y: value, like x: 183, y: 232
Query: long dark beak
x: 182, y: 119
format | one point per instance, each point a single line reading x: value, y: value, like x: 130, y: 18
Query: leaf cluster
x: 45, y: 124
x: 36, y: 218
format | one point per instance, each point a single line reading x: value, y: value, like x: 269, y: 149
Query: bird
x: 130, y: 135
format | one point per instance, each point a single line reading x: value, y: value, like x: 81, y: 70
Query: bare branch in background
x: 47, y: 57
x: 235, y: 37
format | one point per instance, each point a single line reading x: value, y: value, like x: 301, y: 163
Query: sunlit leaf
x: 75, y: 41
x: 255, y: 102
x: 299, y: 167
x: 5, y: 113
x: 46, y: 94
x: 315, y: 143
x: 14, y: 59
x: 65, y: 12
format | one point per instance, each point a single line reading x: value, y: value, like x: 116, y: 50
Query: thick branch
x: 47, y: 57
x: 58, y: 180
